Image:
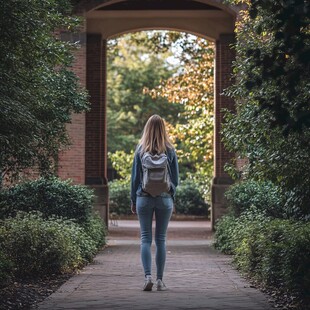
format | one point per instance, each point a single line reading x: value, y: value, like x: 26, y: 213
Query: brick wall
x: 72, y: 161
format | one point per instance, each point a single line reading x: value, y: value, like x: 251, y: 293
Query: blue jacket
x: 136, y: 174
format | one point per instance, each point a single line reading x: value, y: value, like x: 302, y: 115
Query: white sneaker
x: 148, y: 283
x: 160, y: 285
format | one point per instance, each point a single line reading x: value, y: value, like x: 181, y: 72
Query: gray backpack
x: 156, y: 178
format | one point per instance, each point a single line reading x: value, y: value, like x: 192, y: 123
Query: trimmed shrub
x: 37, y: 246
x: 50, y: 196
x: 96, y: 229
x: 224, y: 234
x: 119, y: 193
x: 230, y: 230
x: 264, y: 196
x: 189, y: 200
x: 275, y: 252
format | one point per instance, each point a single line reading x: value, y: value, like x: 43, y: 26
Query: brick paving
x: 198, y: 276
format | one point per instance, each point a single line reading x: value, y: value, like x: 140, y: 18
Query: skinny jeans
x: 162, y: 206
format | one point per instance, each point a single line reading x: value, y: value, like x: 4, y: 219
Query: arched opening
x: 171, y: 74
x: 212, y: 20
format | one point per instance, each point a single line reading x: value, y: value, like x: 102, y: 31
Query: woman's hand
x: 133, y: 209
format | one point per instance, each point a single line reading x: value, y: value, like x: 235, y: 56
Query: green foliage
x: 132, y: 67
x: 231, y: 229
x: 275, y: 252
x: 40, y: 238
x: 96, y: 230
x: 201, y: 177
x: 264, y: 196
x: 273, y: 60
x: 224, y: 233
x: 51, y: 196
x: 264, y: 70
x: 283, y: 161
x: 36, y: 245
x: 119, y: 193
x: 122, y: 163
x: 39, y: 91
x: 6, y: 270
x: 270, y: 128
x: 189, y: 200
x: 143, y: 82
x: 192, y: 88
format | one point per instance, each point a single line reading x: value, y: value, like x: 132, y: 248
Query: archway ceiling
x: 115, y: 18
x: 158, y: 5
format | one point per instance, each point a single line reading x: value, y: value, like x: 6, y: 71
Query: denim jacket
x: 136, y: 175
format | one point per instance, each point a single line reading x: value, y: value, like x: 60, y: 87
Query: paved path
x: 198, y: 277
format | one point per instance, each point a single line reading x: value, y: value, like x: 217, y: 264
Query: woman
x: 154, y: 140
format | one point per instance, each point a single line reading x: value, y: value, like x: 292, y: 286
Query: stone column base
x: 219, y: 202
x: 102, y: 201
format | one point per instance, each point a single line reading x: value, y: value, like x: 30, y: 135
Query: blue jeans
x: 162, y: 206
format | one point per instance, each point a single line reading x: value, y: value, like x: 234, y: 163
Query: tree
x: 38, y: 90
x: 192, y: 88
x: 185, y: 88
x: 132, y: 66
x: 276, y: 73
x: 272, y: 155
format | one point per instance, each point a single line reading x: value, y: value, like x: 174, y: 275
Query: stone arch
x: 86, y: 161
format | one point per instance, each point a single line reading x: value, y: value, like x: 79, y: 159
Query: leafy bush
x: 119, y: 192
x: 6, y: 270
x: 275, y: 252
x: 96, y: 229
x: 50, y: 196
x: 36, y: 245
x: 264, y: 196
x: 224, y: 233
x: 189, y: 200
x: 230, y: 230
x: 122, y: 163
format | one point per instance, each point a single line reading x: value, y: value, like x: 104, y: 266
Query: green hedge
x: 189, y: 200
x: 96, y: 229
x: 264, y: 196
x: 50, y: 196
x: 47, y: 226
x: 37, y: 246
x: 275, y: 252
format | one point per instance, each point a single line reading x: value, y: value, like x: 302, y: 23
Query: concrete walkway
x: 198, y: 277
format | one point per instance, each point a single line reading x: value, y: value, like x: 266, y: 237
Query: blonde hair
x: 155, y: 138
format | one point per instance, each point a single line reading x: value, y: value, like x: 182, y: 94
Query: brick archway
x: 86, y: 161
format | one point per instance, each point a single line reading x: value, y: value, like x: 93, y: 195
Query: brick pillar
x: 223, y: 70
x: 71, y: 162
x: 104, y: 111
x: 94, y: 151
x: 96, y: 133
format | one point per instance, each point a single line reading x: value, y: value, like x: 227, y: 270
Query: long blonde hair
x: 155, y: 138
